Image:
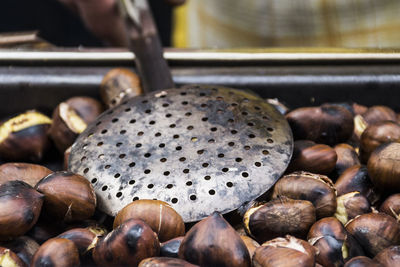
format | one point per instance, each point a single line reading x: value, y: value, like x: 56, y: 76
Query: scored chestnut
x: 316, y: 188
x: 127, y: 245
x: 9, y: 258
x: 24, y: 137
x: 351, y: 205
x: 391, y: 206
x: 159, y: 215
x: 29, y: 173
x: 279, y: 217
x: 84, y: 239
x: 213, y: 242
x: 57, y: 252
x: 24, y: 246
x: 68, y: 196
x: 20, y: 207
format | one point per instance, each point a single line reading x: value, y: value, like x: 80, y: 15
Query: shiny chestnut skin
x: 328, y: 124
x: 84, y: 239
x: 318, y: 189
x: 71, y: 117
x: 389, y: 257
x: 384, y: 167
x: 159, y: 215
x: 376, y: 114
x: 127, y: 245
x: 23, y: 246
x: 20, y: 207
x: 119, y: 84
x: 165, y: 262
x: 24, y: 137
x: 375, y: 135
x: 351, y: 205
x: 362, y: 261
x: 284, y: 252
x: 27, y: 172
x: 213, y: 242
x: 68, y: 196
x: 170, y: 248
x: 346, y: 157
x: 374, y: 232
x: 333, y: 243
x: 354, y: 179
x: 9, y: 258
x: 312, y: 157
x: 56, y: 252
x: 279, y: 217
x: 391, y: 206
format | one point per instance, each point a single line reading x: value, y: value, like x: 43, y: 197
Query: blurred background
x: 214, y: 23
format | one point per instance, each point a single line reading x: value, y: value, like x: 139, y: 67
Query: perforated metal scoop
x: 201, y: 149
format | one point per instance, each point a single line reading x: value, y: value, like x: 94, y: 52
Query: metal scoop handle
x: 146, y: 45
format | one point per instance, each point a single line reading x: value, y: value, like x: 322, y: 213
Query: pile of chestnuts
x: 337, y: 204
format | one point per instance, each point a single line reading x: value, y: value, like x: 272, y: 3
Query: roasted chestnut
x: 362, y: 261
x: 351, y: 205
x: 9, y: 258
x: 24, y: 137
x: 346, y: 157
x: 29, y: 173
x: 68, y: 196
x: 374, y: 232
x: 56, y: 252
x: 25, y: 247
x: 384, y: 167
x: 213, y: 242
x: 284, y: 252
x: 377, y: 134
x: 391, y: 206
x: 250, y: 243
x: 127, y: 245
x: 318, y: 189
x: 333, y: 243
x: 119, y: 84
x: 359, y: 127
x: 279, y: 217
x: 70, y: 118
x: 165, y: 262
x: 159, y: 215
x: 328, y: 124
x: 170, y: 248
x: 20, y: 207
x: 84, y: 238
x: 389, y: 257
x: 312, y: 157
x: 376, y: 114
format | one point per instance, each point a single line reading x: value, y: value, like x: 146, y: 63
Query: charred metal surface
x: 201, y: 149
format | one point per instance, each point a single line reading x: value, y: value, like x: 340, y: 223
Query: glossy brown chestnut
x: 68, y: 196
x: 284, y: 252
x: 29, y: 173
x: 213, y: 242
x: 250, y: 243
x: 159, y: 215
x: 24, y: 137
x: 279, y: 217
x: 353, y: 179
x: 25, y: 247
x: 127, y: 245
x: 170, y: 248
x: 119, y: 84
x: 165, y: 262
x: 362, y: 261
x: 312, y: 157
x: 20, y: 207
x: 84, y: 239
x: 318, y: 189
x: 328, y: 124
x: 389, y: 257
x: 391, y: 206
x: 377, y: 134
x: 70, y: 118
x: 333, y: 243
x: 56, y: 252
x: 346, y: 157
x: 9, y: 259
x: 374, y: 232
x: 384, y: 167
x: 376, y: 114
x: 351, y: 205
